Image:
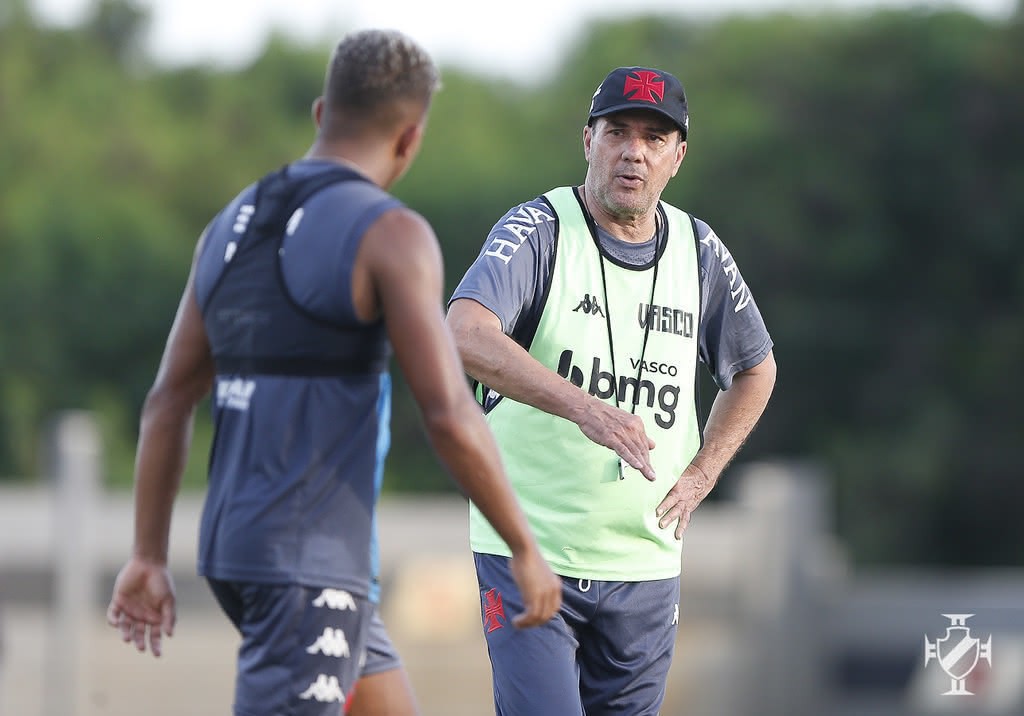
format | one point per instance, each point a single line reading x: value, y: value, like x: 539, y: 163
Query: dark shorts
x: 300, y: 648
x: 607, y: 651
x: 380, y: 654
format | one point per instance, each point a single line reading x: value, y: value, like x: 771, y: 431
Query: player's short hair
x: 374, y: 76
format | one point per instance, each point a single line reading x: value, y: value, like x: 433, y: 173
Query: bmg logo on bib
x: 627, y: 390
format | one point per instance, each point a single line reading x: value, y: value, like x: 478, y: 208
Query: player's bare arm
x: 399, y: 274
x: 733, y: 416
x: 498, y: 362
x: 142, y: 606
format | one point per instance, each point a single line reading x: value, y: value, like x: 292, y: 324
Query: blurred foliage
x: 867, y: 171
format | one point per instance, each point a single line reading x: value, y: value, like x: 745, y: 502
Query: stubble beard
x: 635, y: 205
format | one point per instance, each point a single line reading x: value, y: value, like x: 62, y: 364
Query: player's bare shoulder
x: 399, y: 250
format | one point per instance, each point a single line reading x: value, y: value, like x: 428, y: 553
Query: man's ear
x: 318, y: 111
x: 680, y: 154
x: 409, y: 141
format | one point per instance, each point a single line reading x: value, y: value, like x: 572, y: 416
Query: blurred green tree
x: 866, y: 171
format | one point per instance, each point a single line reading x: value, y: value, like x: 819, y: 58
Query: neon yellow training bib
x: 590, y: 523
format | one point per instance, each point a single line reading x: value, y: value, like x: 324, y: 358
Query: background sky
x: 518, y: 39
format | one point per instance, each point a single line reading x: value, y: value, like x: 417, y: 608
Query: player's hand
x: 540, y: 589
x: 689, y: 491
x: 619, y: 430
x: 142, y: 604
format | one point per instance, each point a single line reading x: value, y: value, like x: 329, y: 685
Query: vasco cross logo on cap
x: 646, y: 86
x: 958, y: 653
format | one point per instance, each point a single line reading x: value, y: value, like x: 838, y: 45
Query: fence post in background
x: 74, y: 452
x: 785, y: 583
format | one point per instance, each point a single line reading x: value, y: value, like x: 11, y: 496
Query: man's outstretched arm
x: 500, y: 363
x: 402, y: 263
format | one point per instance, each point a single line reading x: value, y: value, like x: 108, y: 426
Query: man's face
x: 632, y: 155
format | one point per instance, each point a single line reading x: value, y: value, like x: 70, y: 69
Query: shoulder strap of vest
x: 288, y: 194
x: 526, y: 327
x: 529, y: 319
x: 293, y: 193
x: 562, y: 201
x: 276, y: 198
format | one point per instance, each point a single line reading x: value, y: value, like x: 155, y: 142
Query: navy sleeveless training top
x: 301, y: 403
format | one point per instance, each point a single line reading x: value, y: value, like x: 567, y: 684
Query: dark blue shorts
x: 300, y: 648
x: 380, y: 654
x: 607, y: 651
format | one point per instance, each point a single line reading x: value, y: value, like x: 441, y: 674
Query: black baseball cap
x: 641, y: 88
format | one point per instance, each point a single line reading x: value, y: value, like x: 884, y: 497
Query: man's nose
x: 633, y: 149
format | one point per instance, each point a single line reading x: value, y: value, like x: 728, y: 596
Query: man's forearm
x: 164, y: 438
x: 733, y: 416
x: 503, y: 365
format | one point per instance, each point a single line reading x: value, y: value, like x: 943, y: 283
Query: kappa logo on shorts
x: 675, y: 615
x: 494, y: 611
x: 331, y: 643
x: 335, y: 599
x: 325, y: 689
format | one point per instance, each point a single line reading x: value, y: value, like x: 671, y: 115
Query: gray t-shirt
x: 513, y: 271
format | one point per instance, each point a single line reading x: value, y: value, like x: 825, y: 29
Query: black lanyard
x: 592, y: 226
